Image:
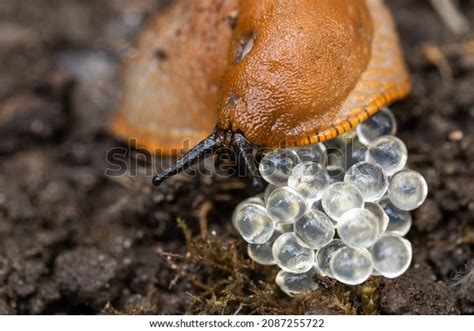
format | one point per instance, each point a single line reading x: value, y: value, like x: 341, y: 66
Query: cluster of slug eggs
x: 339, y: 209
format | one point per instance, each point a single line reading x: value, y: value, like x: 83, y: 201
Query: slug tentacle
x: 202, y: 150
x: 248, y: 155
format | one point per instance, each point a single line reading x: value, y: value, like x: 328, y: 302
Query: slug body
x: 295, y: 72
x: 316, y: 69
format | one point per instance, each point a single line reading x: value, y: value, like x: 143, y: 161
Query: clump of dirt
x: 74, y: 239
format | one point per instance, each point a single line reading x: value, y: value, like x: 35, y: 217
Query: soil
x: 74, y: 240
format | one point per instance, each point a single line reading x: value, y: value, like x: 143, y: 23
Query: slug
x: 295, y: 73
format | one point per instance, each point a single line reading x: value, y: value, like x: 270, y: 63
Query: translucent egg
x: 358, y: 228
x: 262, y: 253
x: 253, y: 223
x: 314, y: 229
x: 391, y: 255
x: 325, y: 254
x: 309, y: 179
x: 369, y: 178
x: 292, y: 284
x: 388, y: 152
x: 351, y: 266
x: 290, y: 255
x: 275, y: 167
x: 341, y: 197
x: 407, y: 190
x: 380, y: 124
x: 399, y: 220
x: 314, y: 153
x: 285, y: 205
x: 380, y: 214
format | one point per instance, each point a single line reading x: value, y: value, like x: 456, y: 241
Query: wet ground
x: 73, y: 240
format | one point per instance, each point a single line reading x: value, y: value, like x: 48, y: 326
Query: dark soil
x: 75, y: 241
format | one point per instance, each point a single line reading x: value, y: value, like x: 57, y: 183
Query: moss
x: 228, y: 282
x: 370, y: 296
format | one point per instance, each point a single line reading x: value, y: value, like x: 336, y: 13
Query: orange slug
x: 296, y: 72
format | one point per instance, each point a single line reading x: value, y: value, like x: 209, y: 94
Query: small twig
x: 239, y: 309
x: 236, y: 185
x: 188, y: 236
x: 203, y: 212
x: 436, y: 57
x: 451, y: 16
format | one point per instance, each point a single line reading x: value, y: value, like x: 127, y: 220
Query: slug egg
x: 382, y: 123
x: 391, y: 255
x: 358, y: 228
x: 253, y: 223
x: 309, y: 179
x: 290, y: 255
x: 369, y: 178
x: 292, y: 283
x: 380, y: 214
x: 399, y: 220
x: 276, y: 166
x: 314, y: 229
x: 341, y: 197
x: 351, y: 266
x: 262, y: 253
x: 314, y: 153
x: 285, y: 205
x: 388, y: 152
x: 325, y: 254
x: 407, y: 190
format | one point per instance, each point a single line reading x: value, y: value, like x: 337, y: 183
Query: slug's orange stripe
x: 391, y: 95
